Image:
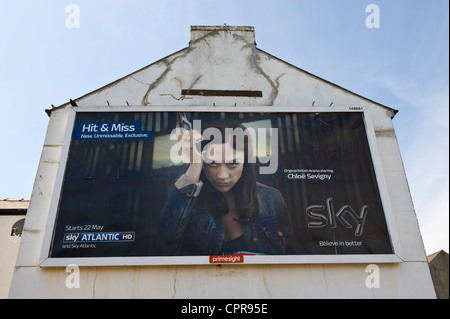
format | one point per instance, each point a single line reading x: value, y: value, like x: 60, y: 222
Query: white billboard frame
x: 395, y: 257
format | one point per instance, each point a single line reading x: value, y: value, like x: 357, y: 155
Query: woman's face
x: 223, y: 166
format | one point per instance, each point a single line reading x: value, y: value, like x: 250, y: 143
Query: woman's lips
x: 222, y: 184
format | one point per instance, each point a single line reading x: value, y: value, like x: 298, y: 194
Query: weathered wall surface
x: 439, y: 268
x: 225, y: 58
x: 8, y: 253
x: 227, y: 281
x: 221, y: 60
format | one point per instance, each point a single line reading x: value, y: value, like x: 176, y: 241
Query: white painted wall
x: 8, y: 251
x: 225, y: 58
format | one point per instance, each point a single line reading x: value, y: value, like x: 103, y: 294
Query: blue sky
x: 403, y: 64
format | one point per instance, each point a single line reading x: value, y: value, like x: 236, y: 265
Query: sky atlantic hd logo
x: 98, y: 237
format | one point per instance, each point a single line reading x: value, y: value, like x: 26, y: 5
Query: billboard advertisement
x: 162, y: 184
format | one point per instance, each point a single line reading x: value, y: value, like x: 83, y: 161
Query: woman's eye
x: 232, y: 164
x: 212, y: 164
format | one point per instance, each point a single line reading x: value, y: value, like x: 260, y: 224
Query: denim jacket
x: 188, y: 229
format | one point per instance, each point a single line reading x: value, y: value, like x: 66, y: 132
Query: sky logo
x: 71, y: 237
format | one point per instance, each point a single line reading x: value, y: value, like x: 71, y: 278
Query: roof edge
x: 219, y: 28
x: 395, y: 111
x: 73, y: 102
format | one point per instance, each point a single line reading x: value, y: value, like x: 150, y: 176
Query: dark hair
x: 245, y: 190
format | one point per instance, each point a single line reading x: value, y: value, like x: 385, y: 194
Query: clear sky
x: 403, y: 63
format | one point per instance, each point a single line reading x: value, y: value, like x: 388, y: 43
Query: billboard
x: 171, y: 184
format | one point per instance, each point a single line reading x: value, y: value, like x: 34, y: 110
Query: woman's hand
x: 189, y: 140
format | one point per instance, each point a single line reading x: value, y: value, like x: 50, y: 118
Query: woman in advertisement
x: 217, y: 207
